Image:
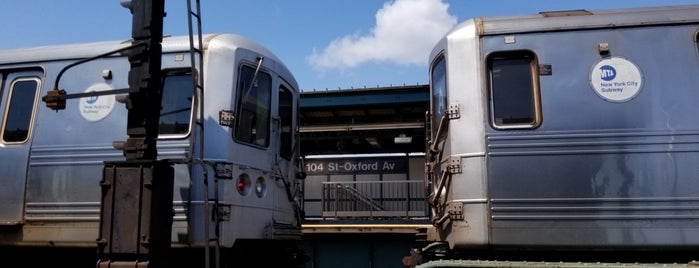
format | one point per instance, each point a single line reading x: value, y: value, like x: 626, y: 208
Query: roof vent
x: 565, y: 13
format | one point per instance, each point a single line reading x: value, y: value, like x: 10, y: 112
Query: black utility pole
x: 136, y: 209
x: 145, y: 79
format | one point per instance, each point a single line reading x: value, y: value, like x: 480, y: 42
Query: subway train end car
x: 234, y: 146
x: 566, y: 132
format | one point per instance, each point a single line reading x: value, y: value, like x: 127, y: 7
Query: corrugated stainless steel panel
x: 622, y: 209
x: 57, y: 155
x: 587, y: 142
x: 62, y: 211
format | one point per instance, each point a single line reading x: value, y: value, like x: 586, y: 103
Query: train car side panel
x: 69, y: 147
x: 18, y: 102
x: 607, y: 166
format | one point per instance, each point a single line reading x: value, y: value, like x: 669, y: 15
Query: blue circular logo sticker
x: 95, y: 108
x: 608, y: 73
x: 616, y: 79
x: 92, y: 100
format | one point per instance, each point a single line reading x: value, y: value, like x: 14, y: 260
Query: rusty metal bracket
x: 455, y: 211
x: 222, y: 212
x: 453, y: 111
x: 454, y: 165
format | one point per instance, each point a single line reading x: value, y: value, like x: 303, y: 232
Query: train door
x: 19, y: 95
x: 286, y: 145
x: 285, y: 122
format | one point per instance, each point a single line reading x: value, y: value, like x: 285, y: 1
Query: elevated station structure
x: 364, y: 152
x: 364, y: 196
x: 364, y: 121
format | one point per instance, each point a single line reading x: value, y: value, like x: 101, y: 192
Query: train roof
x: 584, y: 19
x: 569, y: 20
x: 85, y: 50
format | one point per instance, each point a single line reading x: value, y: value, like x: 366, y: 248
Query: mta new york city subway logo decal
x: 92, y: 100
x: 616, y: 79
x: 608, y: 73
x: 95, y: 108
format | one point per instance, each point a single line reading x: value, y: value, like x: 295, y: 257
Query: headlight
x: 260, y: 187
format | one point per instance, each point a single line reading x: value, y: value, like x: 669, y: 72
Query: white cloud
x: 405, y: 32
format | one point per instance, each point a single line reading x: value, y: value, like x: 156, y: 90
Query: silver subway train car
x: 567, y: 130
x: 234, y: 144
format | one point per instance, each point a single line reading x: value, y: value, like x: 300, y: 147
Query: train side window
x: 252, y: 117
x: 514, y: 93
x: 438, y: 81
x: 176, y: 107
x: 286, y: 111
x: 19, y: 112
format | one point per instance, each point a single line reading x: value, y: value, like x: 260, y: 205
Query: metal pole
x: 145, y: 80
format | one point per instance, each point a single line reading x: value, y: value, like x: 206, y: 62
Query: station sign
x: 333, y: 166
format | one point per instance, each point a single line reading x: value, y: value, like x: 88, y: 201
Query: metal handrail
x: 374, y: 199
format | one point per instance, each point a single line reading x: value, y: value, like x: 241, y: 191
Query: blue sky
x: 327, y: 44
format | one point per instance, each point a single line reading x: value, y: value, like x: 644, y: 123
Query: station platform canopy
x: 364, y: 121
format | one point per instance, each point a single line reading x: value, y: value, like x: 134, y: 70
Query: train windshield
x: 176, y: 105
x: 252, y: 120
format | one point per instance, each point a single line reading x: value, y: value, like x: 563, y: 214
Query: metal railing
x: 374, y: 199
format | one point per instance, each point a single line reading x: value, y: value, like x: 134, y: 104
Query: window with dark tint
x: 19, y: 113
x: 177, y: 104
x: 439, y: 91
x: 513, y: 89
x: 252, y: 117
x: 286, y: 111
